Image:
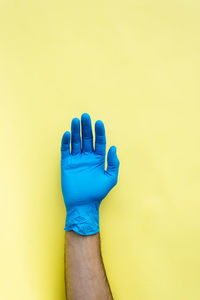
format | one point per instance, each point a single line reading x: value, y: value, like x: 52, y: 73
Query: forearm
x: 85, y: 274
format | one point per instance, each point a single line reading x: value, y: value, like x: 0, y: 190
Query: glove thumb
x: 113, y: 162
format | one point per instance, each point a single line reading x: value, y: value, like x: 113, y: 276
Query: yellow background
x: 135, y: 65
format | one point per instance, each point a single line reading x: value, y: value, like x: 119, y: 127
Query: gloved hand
x: 85, y: 183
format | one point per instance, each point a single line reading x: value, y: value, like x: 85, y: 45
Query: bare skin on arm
x: 85, y: 277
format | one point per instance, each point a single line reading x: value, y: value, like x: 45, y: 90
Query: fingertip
x: 66, y: 138
x: 75, y: 125
x: 99, y: 128
x: 65, y: 145
x: 85, y: 117
x: 113, y: 149
x: 115, y: 153
x: 112, y: 155
x: 75, y: 121
x: 113, y: 161
x: 99, y: 123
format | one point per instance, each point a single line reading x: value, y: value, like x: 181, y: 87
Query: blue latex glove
x: 83, y: 177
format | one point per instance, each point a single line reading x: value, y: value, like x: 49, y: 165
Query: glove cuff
x: 83, y: 219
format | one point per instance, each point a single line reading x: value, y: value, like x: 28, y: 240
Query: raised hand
x: 84, y: 180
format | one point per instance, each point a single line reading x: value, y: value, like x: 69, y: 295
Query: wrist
x: 83, y: 219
